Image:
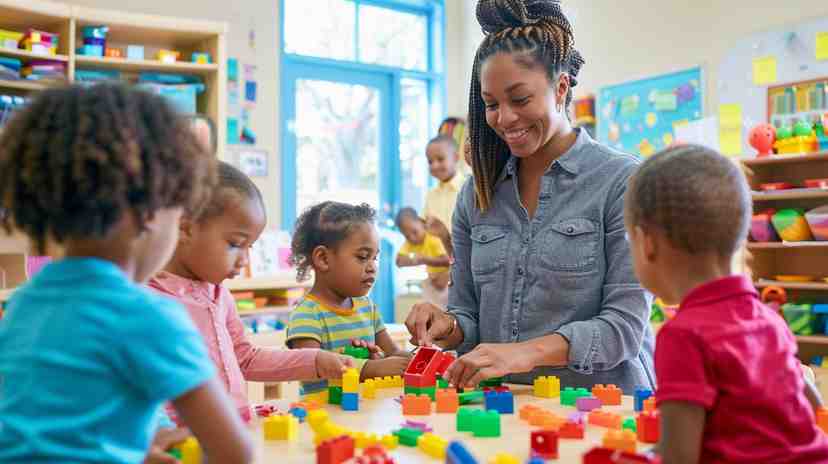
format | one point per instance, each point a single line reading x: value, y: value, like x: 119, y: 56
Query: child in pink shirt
x: 213, y: 246
x: 730, y: 389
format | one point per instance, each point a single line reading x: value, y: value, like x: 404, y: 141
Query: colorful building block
x: 648, y: 425
x: 167, y: 56
x: 546, y: 419
x: 623, y: 440
x: 630, y: 424
x: 822, y: 418
x: 334, y: 395
x: 416, y: 405
x: 430, y: 391
x: 190, y: 451
x: 350, y: 381
x: 408, y: 437
x: 611, y: 456
x: 487, y: 424
x: 202, y: 58
x: 422, y: 370
x: 502, y: 402
x: 587, y: 403
x: 571, y: 429
x: 547, y: 387
x: 456, y: 453
x: 335, y: 450
x: 570, y: 395
x: 397, y: 381
x: 465, y: 417
x: 369, y: 389
x: 447, y: 401
x: 419, y: 425
x: 544, y: 443
x: 364, y: 440
x: 317, y: 419
x: 527, y: 410
x: 640, y: 395
x: 609, y: 395
x: 359, y: 352
x: 432, y: 445
x: 299, y: 413
x: 493, y: 382
x: 445, y: 361
x: 503, y: 458
x: 390, y: 441
x: 280, y: 427
x: 350, y: 401
x: 475, y: 396
x: 442, y: 383
x: 650, y: 404
x: 606, y: 419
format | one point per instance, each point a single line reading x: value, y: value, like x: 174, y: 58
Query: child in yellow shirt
x: 443, y: 160
x: 422, y: 248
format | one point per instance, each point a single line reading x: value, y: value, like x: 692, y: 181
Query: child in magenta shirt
x: 213, y: 246
x: 730, y: 388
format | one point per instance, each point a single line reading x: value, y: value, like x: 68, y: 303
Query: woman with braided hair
x: 542, y: 281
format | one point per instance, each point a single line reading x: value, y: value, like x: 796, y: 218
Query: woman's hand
x: 428, y: 323
x: 489, y: 360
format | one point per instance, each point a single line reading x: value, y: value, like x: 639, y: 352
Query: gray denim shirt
x: 568, y: 270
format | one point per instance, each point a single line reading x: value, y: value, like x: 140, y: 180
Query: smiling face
x: 522, y: 106
x: 442, y: 160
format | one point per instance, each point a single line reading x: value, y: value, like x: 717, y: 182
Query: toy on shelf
x: 794, y: 140
x: 762, y: 138
x: 168, y: 56
x: 39, y: 42
x: 800, y: 318
x: 819, y: 132
x: 761, y: 227
x: 44, y: 69
x: 94, y: 41
x: 791, y: 225
x: 113, y: 53
x: 200, y: 58
x: 817, y: 219
x: 10, y: 39
x: 135, y: 52
x: 775, y: 186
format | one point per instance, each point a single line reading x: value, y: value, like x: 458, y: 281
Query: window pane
x: 392, y: 38
x: 323, y: 28
x: 414, y: 117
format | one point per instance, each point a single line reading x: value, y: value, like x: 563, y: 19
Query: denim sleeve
x: 463, y: 302
x: 615, y: 334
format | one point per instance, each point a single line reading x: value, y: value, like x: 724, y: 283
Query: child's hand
x: 392, y: 365
x: 373, y: 349
x: 332, y: 365
x: 163, y: 441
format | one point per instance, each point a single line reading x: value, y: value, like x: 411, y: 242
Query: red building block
x: 571, y: 429
x: 544, y: 443
x: 445, y: 362
x: 335, y: 450
x: 447, y: 401
x: 606, y: 419
x: 422, y: 370
x: 648, y: 426
x: 609, y: 395
x: 416, y: 405
x: 610, y: 456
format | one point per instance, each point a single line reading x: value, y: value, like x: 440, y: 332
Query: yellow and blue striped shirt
x: 332, y: 327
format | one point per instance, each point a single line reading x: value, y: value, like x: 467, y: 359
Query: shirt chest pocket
x: 488, y: 251
x: 571, y: 245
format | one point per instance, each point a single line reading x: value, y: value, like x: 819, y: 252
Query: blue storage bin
x: 821, y: 311
x: 183, y: 97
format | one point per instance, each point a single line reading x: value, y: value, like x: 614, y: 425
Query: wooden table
x: 384, y: 415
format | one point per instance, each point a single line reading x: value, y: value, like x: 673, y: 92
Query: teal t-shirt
x: 86, y: 359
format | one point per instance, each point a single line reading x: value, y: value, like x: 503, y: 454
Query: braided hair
x: 325, y: 224
x: 698, y: 198
x: 537, y: 29
x: 75, y: 160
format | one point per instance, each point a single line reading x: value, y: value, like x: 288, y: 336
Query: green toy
x: 493, y: 382
x: 442, y: 383
x: 629, y: 424
x: 407, y: 436
x: 465, y: 418
x: 358, y: 352
x: 799, y: 317
x: 570, y: 395
x: 802, y: 129
x: 334, y: 395
x: 475, y: 396
x: 784, y: 132
x: 430, y: 391
x: 486, y: 424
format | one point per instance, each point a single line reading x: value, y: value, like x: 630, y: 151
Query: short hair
x: 230, y: 179
x: 446, y: 139
x: 697, y: 197
x: 406, y: 213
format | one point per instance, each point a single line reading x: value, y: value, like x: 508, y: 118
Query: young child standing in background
x: 212, y: 247
x: 87, y: 356
x: 339, y: 242
x: 422, y: 248
x: 730, y: 388
x: 443, y: 156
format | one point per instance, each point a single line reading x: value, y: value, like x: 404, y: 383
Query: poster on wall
x: 641, y: 116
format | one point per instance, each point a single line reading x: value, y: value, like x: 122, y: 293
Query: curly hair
x: 697, y: 197
x: 540, y: 34
x: 325, y: 224
x: 230, y: 179
x: 75, y: 160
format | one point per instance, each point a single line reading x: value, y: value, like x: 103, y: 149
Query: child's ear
x: 648, y: 243
x: 320, y: 258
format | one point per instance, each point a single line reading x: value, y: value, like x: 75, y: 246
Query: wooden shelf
x: 785, y: 159
x: 26, y: 56
x: 813, y: 339
x: 287, y: 280
x: 29, y: 86
x: 124, y: 64
x: 785, y: 245
x: 791, y: 194
x: 820, y: 286
x: 266, y: 311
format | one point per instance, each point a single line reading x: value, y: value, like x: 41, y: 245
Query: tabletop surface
x: 383, y: 415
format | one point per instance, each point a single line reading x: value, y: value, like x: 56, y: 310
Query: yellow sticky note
x: 730, y: 129
x: 764, y: 70
x: 822, y: 46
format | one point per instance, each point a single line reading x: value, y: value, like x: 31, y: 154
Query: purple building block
x: 422, y: 426
x: 587, y: 403
x: 578, y: 417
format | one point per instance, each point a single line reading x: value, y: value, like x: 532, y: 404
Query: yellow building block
x: 317, y: 419
x: 350, y: 381
x: 503, y: 458
x: 281, y: 427
x: 190, y: 451
x: 432, y: 445
x: 335, y: 382
x: 369, y: 389
x: 390, y: 441
x: 320, y: 397
x: 364, y: 440
x: 397, y: 381
x: 623, y: 440
x: 547, y: 387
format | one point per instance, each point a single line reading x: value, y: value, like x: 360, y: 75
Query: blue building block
x: 350, y: 401
x: 135, y: 52
x: 299, y: 413
x: 641, y: 394
x: 456, y: 453
x: 536, y: 461
x: 502, y: 402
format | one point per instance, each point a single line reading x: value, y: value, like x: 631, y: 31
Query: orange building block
x: 551, y: 421
x: 606, y: 419
x: 527, y: 410
x: 416, y: 405
x: 650, y: 404
x: 623, y: 440
x: 822, y: 418
x: 609, y: 395
x: 571, y: 429
x: 447, y: 400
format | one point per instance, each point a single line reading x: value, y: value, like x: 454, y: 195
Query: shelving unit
x: 152, y: 32
x: 791, y: 258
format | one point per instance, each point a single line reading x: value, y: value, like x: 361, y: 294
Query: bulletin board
x: 641, y: 116
x: 758, y: 67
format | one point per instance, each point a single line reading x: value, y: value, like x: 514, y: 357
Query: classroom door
x: 339, y: 145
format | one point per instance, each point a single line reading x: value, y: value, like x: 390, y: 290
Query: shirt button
x: 570, y: 229
x: 526, y: 240
x: 483, y: 238
x: 515, y: 331
x: 520, y: 271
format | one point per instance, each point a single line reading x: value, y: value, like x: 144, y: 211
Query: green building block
x: 629, y: 424
x: 175, y: 452
x: 441, y: 383
x: 486, y: 424
x: 493, y: 382
x: 359, y: 352
x: 334, y: 395
x: 570, y: 395
x: 407, y: 436
x: 475, y: 396
x: 465, y: 418
x: 799, y: 318
x: 430, y: 391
